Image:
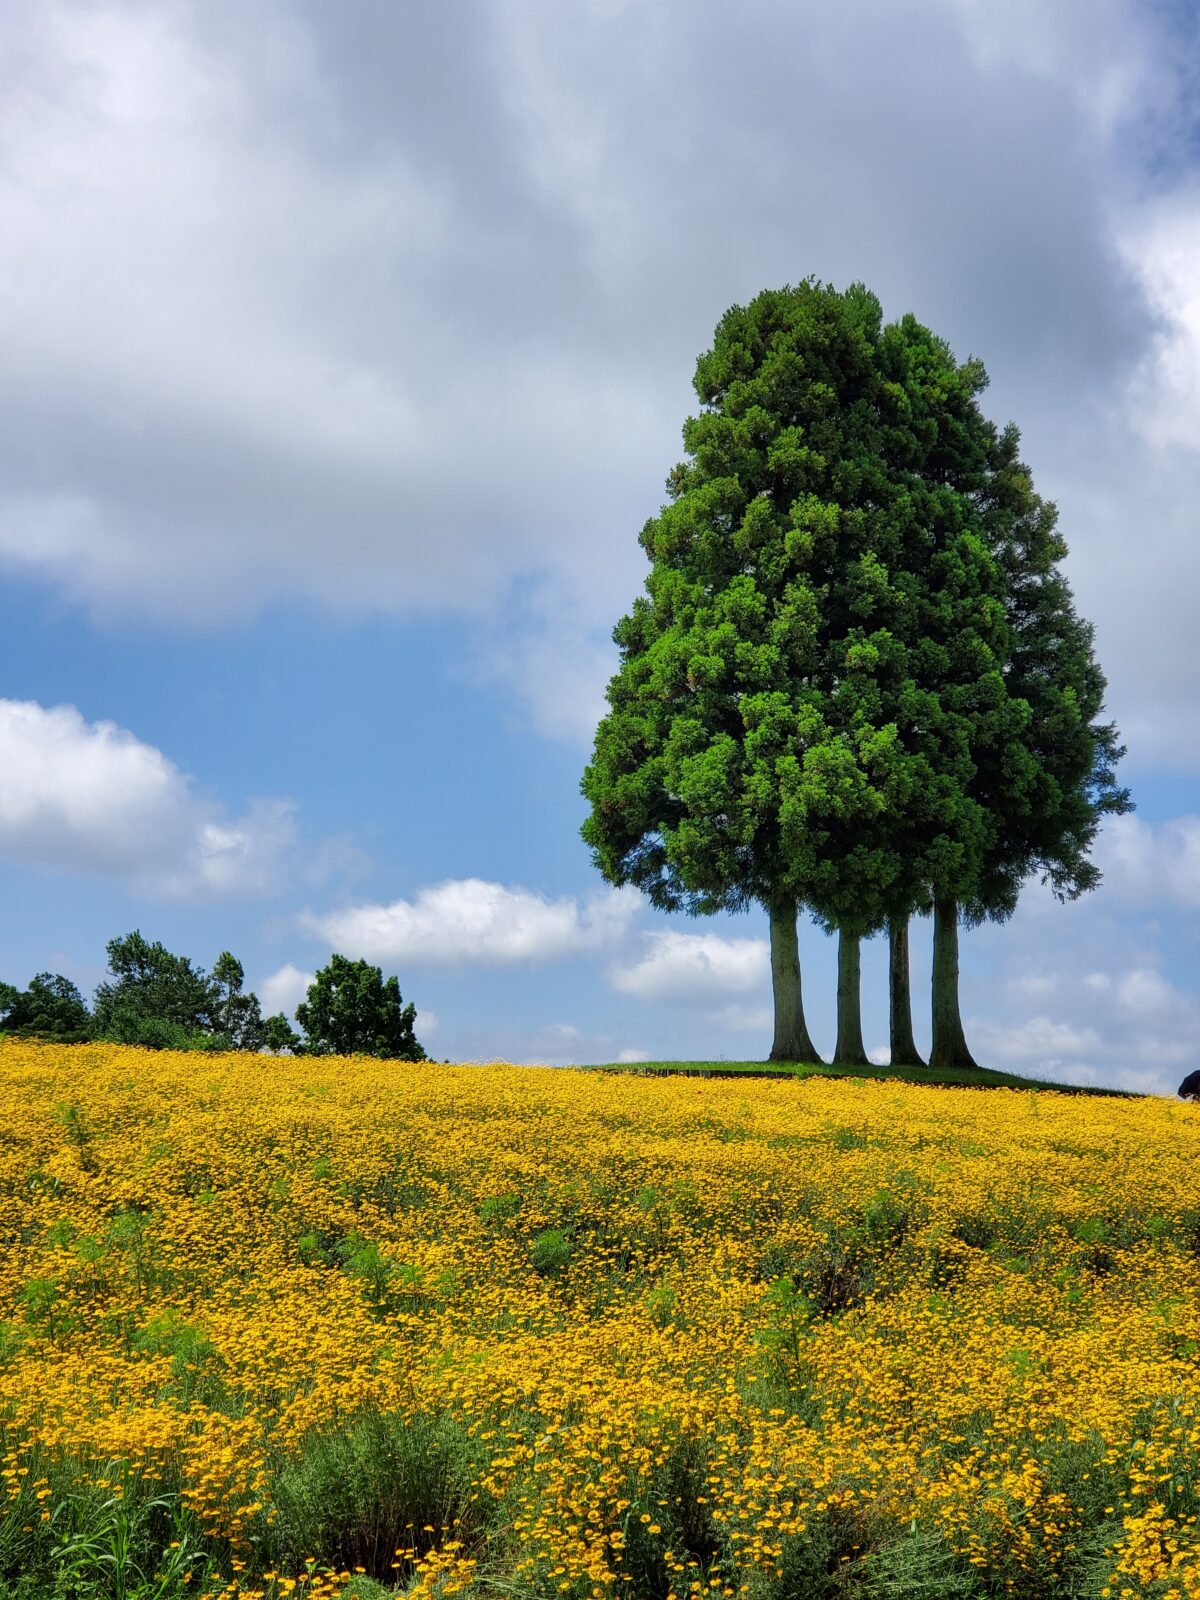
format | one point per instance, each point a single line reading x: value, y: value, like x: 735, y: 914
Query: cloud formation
x: 283, y: 990
x: 1147, y: 864
x: 418, y: 297
x: 696, y: 966
x: 92, y: 797
x: 468, y: 921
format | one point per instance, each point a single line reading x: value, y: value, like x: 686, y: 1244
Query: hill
x: 957, y: 1077
x: 313, y: 1327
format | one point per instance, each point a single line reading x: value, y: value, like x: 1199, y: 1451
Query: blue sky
x: 348, y: 351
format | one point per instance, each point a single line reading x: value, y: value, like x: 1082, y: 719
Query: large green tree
x: 751, y: 750
x: 350, y: 1008
x: 1021, y: 709
x: 855, y: 683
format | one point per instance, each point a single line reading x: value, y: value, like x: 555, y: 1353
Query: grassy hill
x: 956, y: 1077
x: 344, y: 1329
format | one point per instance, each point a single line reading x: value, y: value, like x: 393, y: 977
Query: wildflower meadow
x: 281, y: 1326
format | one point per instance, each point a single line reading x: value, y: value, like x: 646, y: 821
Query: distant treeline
x: 161, y: 1001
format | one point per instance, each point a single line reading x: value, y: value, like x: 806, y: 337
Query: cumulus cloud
x: 92, y: 797
x: 1160, y: 243
x: 435, y: 291
x: 1040, y: 1039
x: 469, y: 920
x: 1116, y: 1014
x: 693, y: 966
x: 284, y: 990
x: 631, y: 1056
x: 1147, y: 864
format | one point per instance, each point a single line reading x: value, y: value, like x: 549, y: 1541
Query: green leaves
x: 51, y: 1008
x: 351, y: 1009
x: 856, y: 680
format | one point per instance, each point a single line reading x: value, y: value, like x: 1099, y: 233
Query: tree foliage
x: 740, y: 759
x: 51, y: 1008
x: 237, y: 1015
x: 856, y: 681
x: 279, y: 1036
x: 155, y: 998
x: 350, y: 1008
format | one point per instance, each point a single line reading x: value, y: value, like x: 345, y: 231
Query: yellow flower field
x: 526, y: 1332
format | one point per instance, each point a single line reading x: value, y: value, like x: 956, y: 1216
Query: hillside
x: 499, y: 1330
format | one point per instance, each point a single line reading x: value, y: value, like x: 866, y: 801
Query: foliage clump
x: 162, y: 1001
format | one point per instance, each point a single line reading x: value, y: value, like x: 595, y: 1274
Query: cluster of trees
x: 856, y: 685
x: 157, y: 999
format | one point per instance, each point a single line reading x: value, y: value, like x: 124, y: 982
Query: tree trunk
x: 904, y: 1046
x: 791, y: 1042
x: 849, y: 1051
x: 949, y: 1041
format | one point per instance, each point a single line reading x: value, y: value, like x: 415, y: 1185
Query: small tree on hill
x: 237, y: 1014
x: 279, y: 1036
x: 350, y: 1009
x: 158, y: 999
x: 52, y: 1008
x: 154, y: 997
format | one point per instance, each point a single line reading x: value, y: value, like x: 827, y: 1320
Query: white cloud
x: 468, y: 920
x: 1163, y: 1023
x: 437, y: 292
x: 631, y: 1057
x: 1040, y: 1040
x: 738, y: 1018
x: 1143, y: 992
x: 1160, y: 242
x: 1033, y: 986
x: 554, y: 658
x: 1151, y: 865
x: 1117, y: 1013
x: 427, y: 1022
x: 284, y: 990
x: 91, y: 797
x: 693, y: 966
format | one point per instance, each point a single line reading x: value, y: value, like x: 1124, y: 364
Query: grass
x: 954, y: 1077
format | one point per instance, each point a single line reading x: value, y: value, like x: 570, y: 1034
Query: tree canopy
x: 51, y: 1008
x: 350, y: 1008
x: 153, y: 997
x: 855, y: 682
x: 236, y: 1013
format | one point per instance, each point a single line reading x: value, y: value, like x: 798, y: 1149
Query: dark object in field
x: 1189, y: 1089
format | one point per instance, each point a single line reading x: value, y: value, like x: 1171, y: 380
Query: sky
x: 347, y: 350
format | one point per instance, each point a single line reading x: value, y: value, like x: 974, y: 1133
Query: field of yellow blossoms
x: 282, y: 1327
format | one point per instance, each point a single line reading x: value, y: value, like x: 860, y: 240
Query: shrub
x: 381, y: 1482
x: 550, y: 1252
